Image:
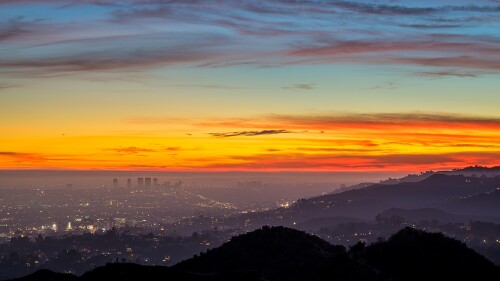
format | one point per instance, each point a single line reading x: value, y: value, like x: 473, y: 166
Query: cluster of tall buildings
x: 147, y: 184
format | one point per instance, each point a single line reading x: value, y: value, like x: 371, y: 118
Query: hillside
x: 424, y: 214
x: 280, y: 253
x: 416, y: 255
x: 431, y: 192
x: 479, y: 204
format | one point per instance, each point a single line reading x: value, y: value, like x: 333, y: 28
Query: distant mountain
x: 426, y: 214
x: 279, y: 253
x: 477, y: 171
x: 439, y: 191
x: 479, y: 204
x: 431, y: 192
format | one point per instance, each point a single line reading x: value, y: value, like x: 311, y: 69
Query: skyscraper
x: 115, y: 183
x: 148, y: 183
x: 129, y: 183
x: 155, y: 183
x: 140, y: 183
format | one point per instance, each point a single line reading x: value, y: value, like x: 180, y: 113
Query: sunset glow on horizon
x: 264, y: 86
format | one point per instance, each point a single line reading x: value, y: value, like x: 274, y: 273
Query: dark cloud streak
x: 437, y: 74
x: 250, y: 133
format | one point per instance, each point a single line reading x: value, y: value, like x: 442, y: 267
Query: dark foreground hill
x: 416, y: 255
x: 280, y: 253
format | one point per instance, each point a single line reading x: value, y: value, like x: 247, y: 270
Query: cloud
x: 131, y: 150
x: 385, y: 86
x: 452, y: 51
x: 465, y: 61
x: 55, y: 49
x: 250, y: 133
x: 329, y: 162
x: 431, y: 26
x: 387, y: 121
x: 205, y: 86
x: 437, y: 74
x: 360, y: 121
x: 10, y: 31
x: 22, y: 156
x: 4, y: 86
x: 138, y: 36
x: 9, y: 153
x: 137, y: 150
x: 124, y: 15
x: 381, y: 9
x: 305, y: 86
x: 106, y: 55
x: 333, y: 149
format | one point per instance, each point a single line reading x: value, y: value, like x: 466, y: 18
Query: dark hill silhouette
x: 416, y: 255
x: 279, y: 253
x: 128, y: 271
x: 47, y: 275
x: 136, y: 272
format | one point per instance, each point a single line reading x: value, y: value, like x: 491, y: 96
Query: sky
x: 220, y: 85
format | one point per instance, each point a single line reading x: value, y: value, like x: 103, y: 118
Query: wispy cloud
x: 143, y: 52
x: 22, y: 156
x: 381, y: 9
x: 250, y: 133
x: 385, y: 86
x: 438, y: 74
x: 465, y: 61
x: 206, y: 86
x: 4, y: 86
x: 137, y: 150
x: 432, y: 26
x: 328, y: 162
x: 453, y: 51
x: 141, y: 35
x: 130, y: 150
x: 303, y: 86
x: 356, y: 121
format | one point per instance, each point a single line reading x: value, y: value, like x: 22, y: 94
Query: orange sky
x: 375, y: 142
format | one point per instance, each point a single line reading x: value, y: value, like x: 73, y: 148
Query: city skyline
x: 243, y: 86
